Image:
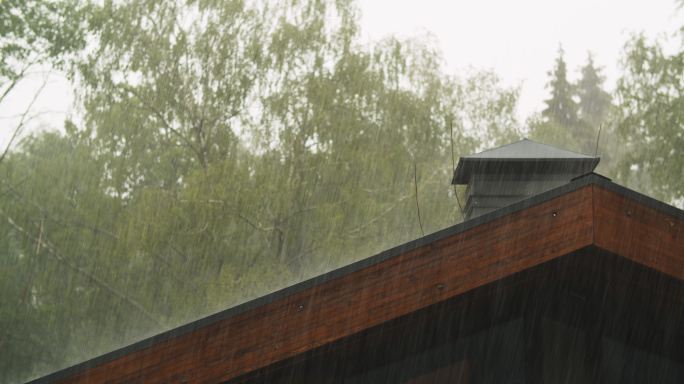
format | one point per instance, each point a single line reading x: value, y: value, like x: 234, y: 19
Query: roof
x: 523, y: 154
x: 527, y: 149
x: 590, y: 211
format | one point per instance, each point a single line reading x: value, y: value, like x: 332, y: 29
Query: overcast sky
x: 516, y: 39
x: 519, y: 39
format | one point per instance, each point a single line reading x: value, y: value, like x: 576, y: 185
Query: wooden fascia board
x: 347, y: 304
x: 640, y: 229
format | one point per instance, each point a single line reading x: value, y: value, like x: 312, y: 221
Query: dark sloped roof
x: 523, y: 156
x: 527, y: 149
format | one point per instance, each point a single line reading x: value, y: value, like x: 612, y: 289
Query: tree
x: 651, y: 120
x: 561, y: 108
x: 594, y: 102
x: 167, y: 90
x: 34, y: 34
x: 49, y: 191
x: 558, y: 121
x: 594, y: 113
x: 228, y: 149
x: 569, y: 123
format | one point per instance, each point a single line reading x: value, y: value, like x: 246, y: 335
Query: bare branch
x: 415, y: 183
x: 37, y: 114
x: 79, y: 224
x: 162, y: 119
x: 23, y: 120
x: 52, y: 251
x: 20, y: 76
x: 379, y: 216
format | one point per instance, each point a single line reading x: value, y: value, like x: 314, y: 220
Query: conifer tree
x: 558, y: 122
x: 594, y: 101
x: 560, y: 109
x: 594, y: 105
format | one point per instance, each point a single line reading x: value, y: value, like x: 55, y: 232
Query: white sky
x: 516, y: 39
x: 519, y: 39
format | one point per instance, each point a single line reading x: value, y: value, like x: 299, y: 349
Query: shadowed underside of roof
x: 541, y: 325
x: 588, y: 212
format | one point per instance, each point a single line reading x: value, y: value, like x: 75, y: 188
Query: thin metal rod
x: 415, y: 183
x: 453, y: 164
x: 598, y: 137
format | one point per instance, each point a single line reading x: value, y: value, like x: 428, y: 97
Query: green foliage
x: 228, y: 149
x: 575, y: 112
x: 34, y: 32
x: 651, y: 120
x: 642, y: 137
x: 561, y: 108
x: 558, y: 121
x: 594, y: 102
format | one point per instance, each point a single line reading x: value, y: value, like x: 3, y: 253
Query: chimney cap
x: 520, y: 156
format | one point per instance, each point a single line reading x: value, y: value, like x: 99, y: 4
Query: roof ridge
x: 535, y: 149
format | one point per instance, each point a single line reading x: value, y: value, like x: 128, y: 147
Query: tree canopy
x: 651, y: 119
x: 225, y: 149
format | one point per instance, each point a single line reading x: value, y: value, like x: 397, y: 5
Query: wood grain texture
x: 640, y: 233
x: 362, y: 299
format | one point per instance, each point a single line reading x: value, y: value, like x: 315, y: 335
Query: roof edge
x: 465, y: 166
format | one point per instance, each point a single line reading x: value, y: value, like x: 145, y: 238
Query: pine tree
x: 560, y: 109
x: 594, y: 102
x: 558, y: 122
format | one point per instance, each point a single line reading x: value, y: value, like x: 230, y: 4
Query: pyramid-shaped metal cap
x: 521, y: 157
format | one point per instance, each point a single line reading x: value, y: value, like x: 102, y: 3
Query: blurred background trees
x: 650, y: 119
x: 226, y: 149
x: 575, y: 111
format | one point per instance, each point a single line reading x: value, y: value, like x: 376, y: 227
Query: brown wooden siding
x: 638, y: 232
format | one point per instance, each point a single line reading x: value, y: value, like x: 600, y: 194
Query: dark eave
x: 523, y: 157
x: 588, y: 211
x: 467, y: 166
